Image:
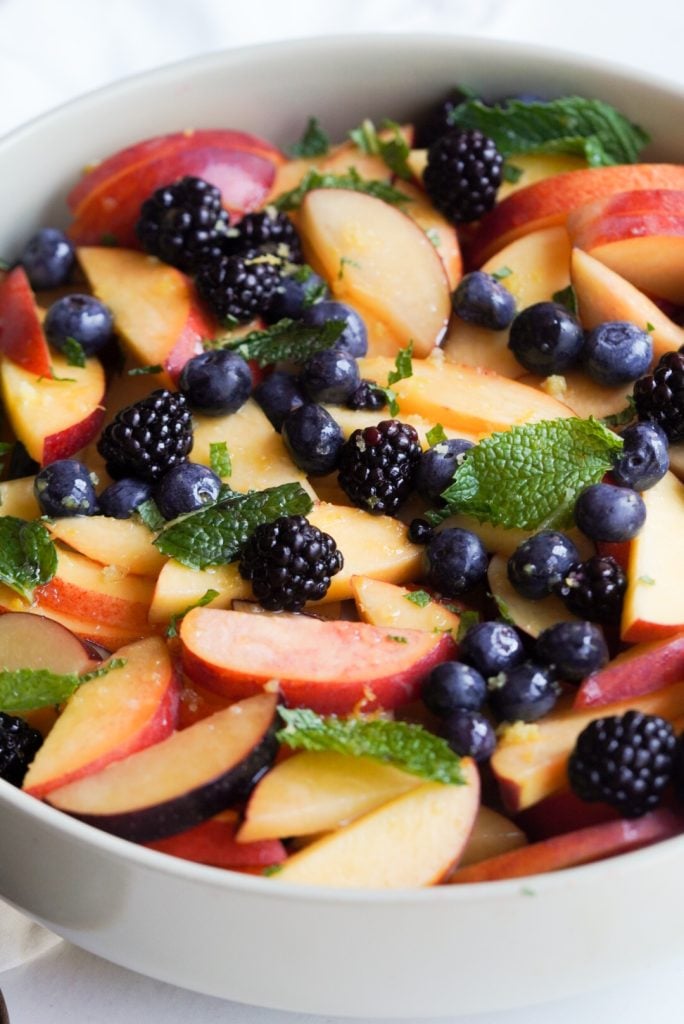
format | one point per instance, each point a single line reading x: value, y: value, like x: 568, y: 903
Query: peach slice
x: 53, y: 418
x: 178, y: 588
x: 440, y: 232
x: 109, y: 718
x: 414, y: 840
x: 582, y: 394
x: 540, y: 265
x: 180, y: 781
x: 530, y: 766
x: 640, y: 669
x: 213, y: 842
x: 333, y: 667
x: 640, y: 235
x: 492, y: 834
x: 359, y: 243
x: 358, y: 419
x: 573, y: 848
x: 35, y: 641
x: 17, y: 498
x: 654, y: 601
x: 123, y: 543
x: 532, y: 617
x: 548, y: 202
x: 21, y: 334
x: 314, y: 792
x: 385, y: 604
x: 602, y: 294
x: 676, y: 460
x: 155, y: 309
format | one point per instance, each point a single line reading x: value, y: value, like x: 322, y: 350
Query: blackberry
x: 270, y: 230
x: 377, y: 466
x: 625, y: 761
x: 659, y: 396
x: 289, y: 562
x: 183, y: 222
x: 437, y: 120
x: 594, y: 589
x: 367, y: 396
x: 19, y: 744
x: 146, y: 439
x: 462, y: 175
x: 239, y: 287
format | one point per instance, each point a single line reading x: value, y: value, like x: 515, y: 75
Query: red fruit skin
x: 199, y: 326
x: 562, y: 812
x: 69, y: 441
x: 638, y: 670
x: 213, y: 842
x: 21, y: 334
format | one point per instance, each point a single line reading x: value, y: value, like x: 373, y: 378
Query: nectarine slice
x: 385, y: 604
x: 123, y: 543
x: 17, y: 498
x: 213, y: 842
x: 532, y: 617
x: 640, y: 669
x: 21, y: 334
x: 492, y: 834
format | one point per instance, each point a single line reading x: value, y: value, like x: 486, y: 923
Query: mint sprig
x: 214, y: 535
x: 403, y: 368
x: 149, y: 514
x: 207, y: 597
x: 74, y: 352
x: 352, y: 180
x: 572, y: 124
x: 393, y: 151
x: 28, y: 557
x: 530, y: 476
x: 219, y: 459
x: 402, y: 744
x: 24, y: 689
x: 314, y: 141
x: 285, y: 340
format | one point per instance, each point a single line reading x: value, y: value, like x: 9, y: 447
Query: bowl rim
x: 225, y: 879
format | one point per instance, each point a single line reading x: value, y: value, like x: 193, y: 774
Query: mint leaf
x: 421, y: 598
x: 404, y: 745
x: 148, y: 512
x: 468, y: 619
x: 285, y: 340
x: 314, y: 141
x: 393, y: 151
x: 28, y: 558
x: 511, y: 173
x: 566, y: 297
x: 436, y: 435
x: 139, y: 371
x: 626, y: 415
x: 314, y: 179
x: 206, y: 598
x: 403, y: 365
x: 501, y: 273
x: 590, y: 128
x: 214, y: 535
x: 24, y: 689
x: 219, y: 458
x: 530, y: 476
x: 73, y: 350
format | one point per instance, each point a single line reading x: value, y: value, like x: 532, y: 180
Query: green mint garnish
x: 434, y: 237
x: 590, y: 128
x: 468, y: 620
x: 649, y: 327
x: 28, y: 558
x: 51, y: 375
x: 219, y: 459
x: 396, y: 639
x: 436, y: 435
x: 285, y: 340
x: 214, y: 535
x: 511, y: 173
x: 73, y: 350
x: 503, y: 609
x: 314, y: 179
x: 648, y: 581
x: 620, y: 419
x: 345, y: 261
x: 109, y: 239
x: 404, y: 745
x: 501, y: 273
x: 5, y: 448
x: 421, y: 598
x: 148, y: 512
x: 530, y: 476
x: 207, y: 597
x: 314, y: 141
x: 403, y: 365
x: 393, y: 151
x: 271, y: 869
x: 24, y: 689
x: 139, y: 371
x: 566, y: 297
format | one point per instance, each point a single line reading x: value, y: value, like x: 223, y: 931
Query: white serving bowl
x: 442, y: 951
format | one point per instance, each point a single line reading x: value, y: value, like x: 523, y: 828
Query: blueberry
x: 278, y: 395
x: 313, y: 439
x: 492, y: 647
x: 545, y: 338
x: 437, y: 466
x: 453, y: 685
x: 65, y: 488
x: 524, y: 693
x: 48, y: 259
x: 540, y: 562
x: 186, y: 487
x: 420, y: 531
x: 572, y: 649
x: 469, y: 734
x: 331, y: 375
x: 216, y: 383
x: 456, y: 561
x: 644, y: 459
x: 81, y: 317
x: 482, y: 300
x: 122, y: 498
x: 294, y: 293
x: 608, y: 513
x: 617, y: 352
x: 354, y: 337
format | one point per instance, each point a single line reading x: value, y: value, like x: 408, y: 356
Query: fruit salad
x: 338, y: 495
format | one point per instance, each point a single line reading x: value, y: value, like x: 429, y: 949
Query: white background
x: 52, y: 50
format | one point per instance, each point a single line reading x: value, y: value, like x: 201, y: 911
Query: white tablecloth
x: 51, y: 50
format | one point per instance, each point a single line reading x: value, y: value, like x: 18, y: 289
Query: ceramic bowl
x: 442, y: 951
